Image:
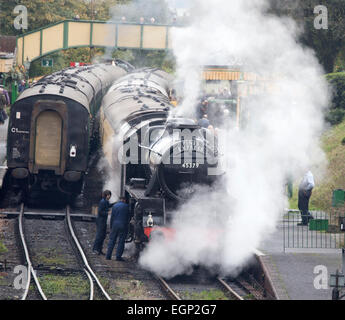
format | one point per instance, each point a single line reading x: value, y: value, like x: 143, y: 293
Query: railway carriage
x: 51, y: 124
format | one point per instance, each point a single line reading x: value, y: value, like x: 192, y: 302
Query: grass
x: 313, y: 205
x: 212, y: 294
x: 3, y: 248
x: 249, y: 296
x: 128, y: 289
x: 66, y: 286
x: 334, y: 178
x: 52, y: 256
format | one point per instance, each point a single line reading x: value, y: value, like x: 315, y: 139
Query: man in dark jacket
x: 204, y: 122
x: 119, y: 227
x: 202, y: 108
x: 4, y: 101
x: 101, y: 222
x: 304, y: 193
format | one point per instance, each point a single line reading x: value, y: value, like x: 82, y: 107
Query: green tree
x: 44, y: 12
x: 40, y: 13
x: 134, y: 10
x: 103, y: 8
x: 327, y: 43
x: 140, y: 58
x: 62, y: 60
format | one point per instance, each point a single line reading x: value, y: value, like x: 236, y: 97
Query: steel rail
x: 252, y: 286
x: 83, y: 256
x: 30, y: 270
x: 231, y: 291
x: 91, y: 284
x: 171, y: 292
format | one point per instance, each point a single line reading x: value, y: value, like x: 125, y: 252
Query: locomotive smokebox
x: 180, y: 159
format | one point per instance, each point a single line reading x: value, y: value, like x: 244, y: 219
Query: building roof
x: 7, y: 44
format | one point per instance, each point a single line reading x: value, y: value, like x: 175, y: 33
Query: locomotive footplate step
x: 136, y: 193
x: 147, y: 203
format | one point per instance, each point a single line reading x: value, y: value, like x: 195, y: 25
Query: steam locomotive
x: 51, y: 124
x: 159, y: 159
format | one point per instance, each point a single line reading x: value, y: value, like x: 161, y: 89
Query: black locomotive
x: 51, y: 124
x: 159, y: 159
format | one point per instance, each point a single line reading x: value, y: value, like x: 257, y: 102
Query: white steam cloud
x: 111, y: 168
x: 280, y: 139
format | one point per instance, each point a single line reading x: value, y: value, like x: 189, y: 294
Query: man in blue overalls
x: 101, y: 222
x: 119, y: 227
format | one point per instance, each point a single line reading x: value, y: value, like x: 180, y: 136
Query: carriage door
x: 48, y: 139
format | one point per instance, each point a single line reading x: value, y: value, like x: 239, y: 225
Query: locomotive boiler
x: 158, y: 159
x: 51, y: 124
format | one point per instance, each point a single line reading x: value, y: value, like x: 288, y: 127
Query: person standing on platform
x: 304, y: 193
x: 119, y: 227
x: 21, y: 86
x: 4, y: 102
x: 204, y: 122
x: 101, y: 222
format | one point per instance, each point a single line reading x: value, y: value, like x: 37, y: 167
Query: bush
x: 337, y: 108
x: 337, y: 81
x: 335, y: 116
x: 3, y: 248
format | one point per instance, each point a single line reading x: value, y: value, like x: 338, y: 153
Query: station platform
x: 292, y: 269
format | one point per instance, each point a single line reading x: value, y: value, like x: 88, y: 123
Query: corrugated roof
x: 223, y: 74
x: 7, y: 44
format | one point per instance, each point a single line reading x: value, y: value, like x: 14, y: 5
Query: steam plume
x: 280, y: 138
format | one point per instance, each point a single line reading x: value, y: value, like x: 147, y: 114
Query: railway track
x: 76, y: 248
x: 246, y: 287
x: 88, y: 270
x: 168, y: 289
x: 78, y: 236
x: 232, y: 288
x: 200, y: 288
x: 123, y: 280
x: 30, y: 270
x: 235, y: 289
